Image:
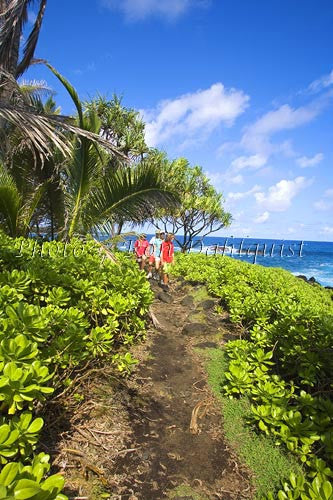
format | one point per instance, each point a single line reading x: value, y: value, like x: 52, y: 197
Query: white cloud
x: 327, y: 230
x: 326, y: 203
x: 257, y: 141
x: 195, y: 114
x: 322, y: 83
x: 90, y: 67
x: 238, y: 196
x: 220, y: 178
x: 257, y: 137
x: 323, y: 205
x: 305, y: 161
x: 254, y: 162
x: 236, y: 179
x: 279, y: 197
x: 262, y: 218
x: 137, y: 10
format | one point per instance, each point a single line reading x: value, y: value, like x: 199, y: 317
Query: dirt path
x: 170, y: 442
x: 180, y: 454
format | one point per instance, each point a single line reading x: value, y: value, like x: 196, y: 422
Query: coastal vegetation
x: 90, y: 189
x: 281, y: 364
x: 69, y: 303
x: 61, y: 306
x: 200, y: 211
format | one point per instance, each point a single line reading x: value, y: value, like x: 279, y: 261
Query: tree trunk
x: 6, y: 87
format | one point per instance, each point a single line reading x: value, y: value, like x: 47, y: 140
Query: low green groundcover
x: 61, y: 305
x: 283, y: 363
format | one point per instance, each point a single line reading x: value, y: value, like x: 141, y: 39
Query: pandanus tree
x: 201, y: 211
x: 98, y: 193
x: 124, y: 128
x: 99, y: 186
x: 121, y: 126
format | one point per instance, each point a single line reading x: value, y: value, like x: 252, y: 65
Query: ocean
x: 309, y: 258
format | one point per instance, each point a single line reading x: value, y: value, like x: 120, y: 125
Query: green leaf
x: 4, y: 432
x: 327, y: 489
x: 36, y: 425
x: 8, y: 473
x: 55, y: 482
x: 26, y: 488
x: 3, y: 493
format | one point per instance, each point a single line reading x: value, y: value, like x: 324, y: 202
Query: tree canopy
x: 201, y: 209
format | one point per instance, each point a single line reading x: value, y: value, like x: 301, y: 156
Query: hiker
x: 141, y: 248
x: 155, y: 255
x: 167, y: 257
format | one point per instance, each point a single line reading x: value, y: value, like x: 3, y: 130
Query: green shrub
x: 284, y: 362
x: 61, y: 304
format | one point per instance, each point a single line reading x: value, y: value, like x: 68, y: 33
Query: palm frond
x: 128, y: 194
x: 13, y: 19
x: 83, y: 170
x: 27, y: 210
x: 10, y: 201
x: 71, y: 90
x: 41, y: 130
x: 35, y: 88
x: 38, y: 129
x: 30, y: 46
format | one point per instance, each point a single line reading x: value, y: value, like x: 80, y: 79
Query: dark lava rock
x: 206, y: 345
x: 302, y: 277
x: 193, y: 282
x: 187, y: 301
x: 312, y: 280
x: 165, y: 297
x: 164, y: 287
x: 207, y: 304
x: 329, y: 287
x: 194, y: 329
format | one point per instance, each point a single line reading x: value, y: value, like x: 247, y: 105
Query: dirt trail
x: 180, y: 455
x: 165, y: 433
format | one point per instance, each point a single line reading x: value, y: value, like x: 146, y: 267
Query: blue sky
x: 242, y: 88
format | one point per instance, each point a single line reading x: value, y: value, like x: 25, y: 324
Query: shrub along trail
x: 163, y: 434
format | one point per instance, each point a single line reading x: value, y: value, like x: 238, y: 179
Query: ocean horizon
x: 300, y: 257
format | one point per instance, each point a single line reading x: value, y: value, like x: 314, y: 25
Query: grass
x: 185, y: 491
x: 200, y: 294
x: 268, y: 463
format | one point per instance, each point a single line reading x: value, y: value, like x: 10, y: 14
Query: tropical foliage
x: 90, y: 189
x: 60, y: 305
x: 283, y: 363
x: 201, y: 209
x: 121, y: 126
x: 41, y: 131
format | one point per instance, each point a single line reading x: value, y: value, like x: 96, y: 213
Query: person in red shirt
x: 167, y: 257
x: 141, y: 250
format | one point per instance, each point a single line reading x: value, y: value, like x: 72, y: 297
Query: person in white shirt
x: 155, y: 253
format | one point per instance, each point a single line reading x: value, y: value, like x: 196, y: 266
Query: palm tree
x: 42, y: 131
x: 17, y: 210
x: 94, y: 194
x: 97, y: 196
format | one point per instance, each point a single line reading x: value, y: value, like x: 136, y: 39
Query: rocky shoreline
x: 313, y: 281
